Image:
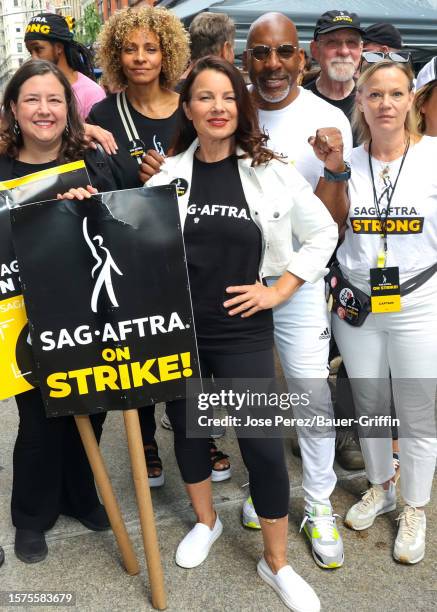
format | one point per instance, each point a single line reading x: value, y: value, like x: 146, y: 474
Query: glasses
x: 373, y: 57
x: 262, y: 52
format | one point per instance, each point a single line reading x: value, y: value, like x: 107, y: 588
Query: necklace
x: 384, y: 170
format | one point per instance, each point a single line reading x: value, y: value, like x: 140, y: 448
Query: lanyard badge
x: 385, y: 293
x: 384, y: 282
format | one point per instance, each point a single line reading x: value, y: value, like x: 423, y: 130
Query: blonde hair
x: 359, y: 123
x: 173, y: 40
x: 422, y: 95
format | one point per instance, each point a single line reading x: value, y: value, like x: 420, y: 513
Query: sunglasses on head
x: 373, y: 57
x: 262, y: 52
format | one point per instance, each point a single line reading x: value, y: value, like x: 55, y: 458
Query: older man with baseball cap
x: 337, y: 47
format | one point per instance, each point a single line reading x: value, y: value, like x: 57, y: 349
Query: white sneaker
x: 375, y: 501
x: 326, y: 543
x: 250, y: 517
x: 296, y: 594
x: 195, y: 547
x: 410, y: 541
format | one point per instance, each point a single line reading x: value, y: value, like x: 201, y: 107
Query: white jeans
x: 302, y: 332
x: 405, y: 344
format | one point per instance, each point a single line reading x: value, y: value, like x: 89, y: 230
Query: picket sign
x: 106, y: 339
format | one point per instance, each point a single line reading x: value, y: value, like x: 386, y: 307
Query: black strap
x: 386, y: 192
x: 417, y: 281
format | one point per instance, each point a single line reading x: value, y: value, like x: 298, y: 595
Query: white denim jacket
x: 282, y: 204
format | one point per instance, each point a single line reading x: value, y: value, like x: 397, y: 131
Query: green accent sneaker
x: 250, y: 517
x: 320, y: 527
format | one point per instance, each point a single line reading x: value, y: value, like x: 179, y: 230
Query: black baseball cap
x: 337, y: 20
x: 383, y: 34
x: 49, y: 26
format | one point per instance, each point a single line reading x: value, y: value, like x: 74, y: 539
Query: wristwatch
x: 338, y: 177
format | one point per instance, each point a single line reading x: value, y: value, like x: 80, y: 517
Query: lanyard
x: 128, y: 123
x: 388, y: 192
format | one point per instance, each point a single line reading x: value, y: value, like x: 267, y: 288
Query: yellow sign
x: 15, y: 355
x: 13, y: 321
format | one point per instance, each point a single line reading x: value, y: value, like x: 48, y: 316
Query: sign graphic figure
x: 106, y: 266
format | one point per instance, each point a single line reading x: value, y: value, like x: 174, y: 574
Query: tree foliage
x: 89, y: 26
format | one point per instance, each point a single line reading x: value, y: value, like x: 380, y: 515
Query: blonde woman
x: 392, y: 234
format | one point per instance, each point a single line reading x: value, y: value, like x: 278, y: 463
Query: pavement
x: 88, y: 564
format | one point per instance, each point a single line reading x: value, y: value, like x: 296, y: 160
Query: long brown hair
x: 11, y: 140
x: 248, y: 135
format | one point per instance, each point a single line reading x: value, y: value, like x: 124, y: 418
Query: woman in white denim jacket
x: 239, y: 208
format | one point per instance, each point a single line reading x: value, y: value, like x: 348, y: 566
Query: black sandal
x: 218, y: 475
x: 153, y: 462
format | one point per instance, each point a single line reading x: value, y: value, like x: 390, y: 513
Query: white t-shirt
x: 412, y: 221
x: 289, y: 129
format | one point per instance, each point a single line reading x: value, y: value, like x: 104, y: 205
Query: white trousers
x: 405, y: 344
x: 302, y: 332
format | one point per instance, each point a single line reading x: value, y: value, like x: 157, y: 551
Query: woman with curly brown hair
x: 143, y: 53
x: 41, y: 129
x: 240, y: 208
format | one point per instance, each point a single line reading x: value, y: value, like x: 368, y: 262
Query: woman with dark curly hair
x: 41, y: 129
x: 240, y: 208
x: 143, y: 53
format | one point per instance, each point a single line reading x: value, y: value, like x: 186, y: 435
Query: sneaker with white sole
x: 374, y: 502
x: 410, y: 542
x: 295, y: 593
x: 320, y: 527
x: 249, y: 516
x: 195, y: 547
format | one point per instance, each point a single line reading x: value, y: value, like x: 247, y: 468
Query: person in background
x: 425, y: 100
x: 382, y: 37
x: 392, y: 188
x: 41, y: 129
x: 49, y: 37
x: 221, y: 152
x: 337, y: 46
x: 212, y: 34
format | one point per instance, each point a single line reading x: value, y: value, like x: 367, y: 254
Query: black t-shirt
x: 103, y: 175
x: 223, y: 247
x: 346, y: 104
x: 155, y: 134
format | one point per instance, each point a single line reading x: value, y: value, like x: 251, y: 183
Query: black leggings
x: 263, y: 457
x: 52, y: 475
